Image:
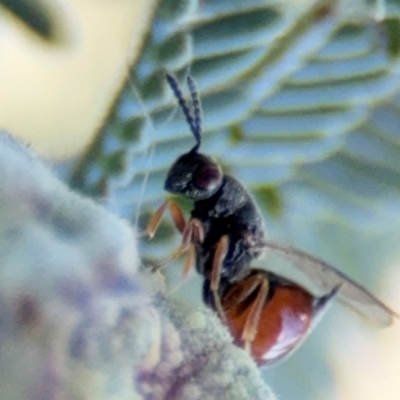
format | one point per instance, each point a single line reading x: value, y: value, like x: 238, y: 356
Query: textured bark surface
x: 77, y: 318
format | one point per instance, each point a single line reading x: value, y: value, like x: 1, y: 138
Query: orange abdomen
x: 284, y: 321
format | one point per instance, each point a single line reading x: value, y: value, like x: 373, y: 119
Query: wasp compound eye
x: 208, y: 178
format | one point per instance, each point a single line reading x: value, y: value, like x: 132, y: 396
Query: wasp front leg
x: 190, y: 232
x: 253, y: 318
x: 193, y: 233
x: 176, y: 214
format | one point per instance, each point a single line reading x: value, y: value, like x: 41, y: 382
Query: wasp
x: 267, y: 314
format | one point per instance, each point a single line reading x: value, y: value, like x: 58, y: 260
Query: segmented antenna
x: 196, y: 103
x: 194, y: 123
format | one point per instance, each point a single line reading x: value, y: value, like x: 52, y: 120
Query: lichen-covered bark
x: 78, y: 320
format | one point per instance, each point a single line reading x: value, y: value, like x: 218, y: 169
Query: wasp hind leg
x: 253, y: 318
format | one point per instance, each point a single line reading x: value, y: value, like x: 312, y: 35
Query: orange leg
x: 218, y: 260
x: 253, y: 319
x: 177, y: 218
x: 189, y: 261
x: 193, y: 233
x: 242, y: 290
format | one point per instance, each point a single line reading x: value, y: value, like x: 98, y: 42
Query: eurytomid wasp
x: 266, y: 313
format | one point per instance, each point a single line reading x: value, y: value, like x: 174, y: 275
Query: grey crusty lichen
x: 78, y: 320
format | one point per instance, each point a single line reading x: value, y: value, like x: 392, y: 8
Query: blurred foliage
x: 293, y: 92
x: 301, y: 102
x: 35, y: 14
x: 271, y: 198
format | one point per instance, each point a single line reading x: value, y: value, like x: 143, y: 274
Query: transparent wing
x: 327, y: 277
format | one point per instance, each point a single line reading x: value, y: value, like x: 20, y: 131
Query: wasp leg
x: 154, y: 223
x: 189, y: 261
x: 193, y: 233
x: 247, y: 286
x: 197, y: 237
x: 218, y: 260
x: 253, y: 319
x: 177, y: 216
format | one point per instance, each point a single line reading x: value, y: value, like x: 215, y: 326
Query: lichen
x: 80, y: 320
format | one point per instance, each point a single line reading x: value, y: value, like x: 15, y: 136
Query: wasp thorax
x: 194, y: 176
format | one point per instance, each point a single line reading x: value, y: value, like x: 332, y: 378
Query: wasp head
x: 193, y: 175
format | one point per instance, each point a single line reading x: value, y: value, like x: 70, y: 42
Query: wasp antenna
x: 196, y: 107
x: 173, y: 83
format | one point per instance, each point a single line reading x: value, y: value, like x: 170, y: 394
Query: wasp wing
x: 326, y: 277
